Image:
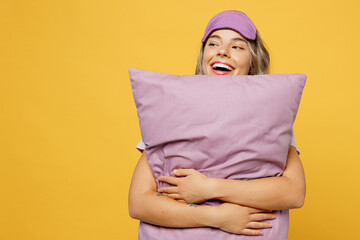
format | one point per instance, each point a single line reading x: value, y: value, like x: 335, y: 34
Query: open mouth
x: 221, y: 69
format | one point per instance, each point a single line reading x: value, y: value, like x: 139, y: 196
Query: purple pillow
x: 234, y: 127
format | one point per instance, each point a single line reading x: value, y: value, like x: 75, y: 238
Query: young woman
x: 231, y: 45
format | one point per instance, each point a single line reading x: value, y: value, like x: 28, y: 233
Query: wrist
x: 210, y: 216
x: 212, y: 189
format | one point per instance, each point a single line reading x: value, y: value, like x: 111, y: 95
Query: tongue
x: 220, y: 71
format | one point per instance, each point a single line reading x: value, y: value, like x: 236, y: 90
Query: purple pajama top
x: 154, y: 232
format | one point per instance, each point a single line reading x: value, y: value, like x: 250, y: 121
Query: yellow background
x: 68, y: 122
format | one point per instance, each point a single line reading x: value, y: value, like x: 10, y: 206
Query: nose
x: 223, y: 52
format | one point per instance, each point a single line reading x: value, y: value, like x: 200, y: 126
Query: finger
x: 259, y: 225
x: 169, y: 179
x: 262, y: 216
x: 174, y: 196
x: 168, y: 190
x: 252, y: 232
x: 182, y: 172
x: 181, y: 200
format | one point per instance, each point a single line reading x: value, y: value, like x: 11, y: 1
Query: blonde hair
x: 259, y: 57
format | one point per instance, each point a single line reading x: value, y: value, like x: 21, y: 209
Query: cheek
x: 209, y: 53
x: 206, y: 57
x: 243, y: 60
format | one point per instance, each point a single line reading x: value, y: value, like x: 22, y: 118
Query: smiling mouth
x: 221, y: 69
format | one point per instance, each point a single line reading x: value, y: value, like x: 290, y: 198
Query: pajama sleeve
x: 292, y: 143
x: 140, y: 146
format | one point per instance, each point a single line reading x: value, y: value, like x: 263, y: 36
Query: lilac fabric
x: 232, y: 127
x: 141, y: 145
x: 232, y: 19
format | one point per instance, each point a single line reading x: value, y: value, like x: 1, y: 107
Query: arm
x: 149, y: 206
x: 285, y: 192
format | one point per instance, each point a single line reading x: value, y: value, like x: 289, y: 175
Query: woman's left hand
x: 190, y: 186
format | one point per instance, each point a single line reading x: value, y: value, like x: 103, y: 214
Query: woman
x: 232, y: 46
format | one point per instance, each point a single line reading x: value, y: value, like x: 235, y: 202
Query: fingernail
x: 175, y: 171
x: 273, y: 217
x: 269, y: 225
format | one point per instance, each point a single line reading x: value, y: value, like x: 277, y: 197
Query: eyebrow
x: 236, y: 38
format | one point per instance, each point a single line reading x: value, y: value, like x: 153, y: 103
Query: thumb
x: 181, y: 172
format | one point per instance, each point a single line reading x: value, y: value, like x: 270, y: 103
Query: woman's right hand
x: 238, y: 219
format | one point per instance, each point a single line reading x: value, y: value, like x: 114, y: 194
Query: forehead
x: 227, y: 34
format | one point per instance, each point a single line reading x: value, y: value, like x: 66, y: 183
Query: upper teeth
x: 223, y: 66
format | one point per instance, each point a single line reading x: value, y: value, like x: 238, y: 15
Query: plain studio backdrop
x: 68, y: 119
